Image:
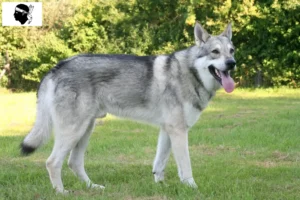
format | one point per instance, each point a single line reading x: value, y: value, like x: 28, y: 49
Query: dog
x: 169, y: 91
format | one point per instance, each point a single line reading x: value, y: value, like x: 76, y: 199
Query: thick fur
x: 169, y: 91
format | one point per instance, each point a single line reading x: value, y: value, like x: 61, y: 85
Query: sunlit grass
x: 266, y: 93
x: 18, y: 111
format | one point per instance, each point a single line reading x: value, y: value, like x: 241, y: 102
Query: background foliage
x: 265, y: 33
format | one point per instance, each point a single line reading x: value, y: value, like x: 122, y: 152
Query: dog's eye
x: 231, y: 51
x: 215, y: 51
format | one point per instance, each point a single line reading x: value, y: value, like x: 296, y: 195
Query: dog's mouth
x: 223, y: 77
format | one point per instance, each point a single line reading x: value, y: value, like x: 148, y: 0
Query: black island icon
x: 23, y: 13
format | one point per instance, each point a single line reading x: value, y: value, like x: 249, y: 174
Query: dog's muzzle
x: 223, y: 77
x: 230, y: 64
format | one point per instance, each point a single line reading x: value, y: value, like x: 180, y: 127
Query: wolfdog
x: 169, y: 91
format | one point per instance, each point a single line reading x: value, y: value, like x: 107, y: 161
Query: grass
x: 245, y: 146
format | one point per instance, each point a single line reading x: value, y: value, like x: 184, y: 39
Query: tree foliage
x: 265, y: 33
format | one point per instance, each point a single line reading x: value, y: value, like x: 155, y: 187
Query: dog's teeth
x: 218, y: 73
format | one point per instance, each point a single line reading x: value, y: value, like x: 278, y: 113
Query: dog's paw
x: 96, y: 186
x: 159, y: 177
x: 62, y: 191
x: 93, y: 185
x: 190, y: 182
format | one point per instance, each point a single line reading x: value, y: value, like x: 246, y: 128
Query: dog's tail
x: 42, y: 129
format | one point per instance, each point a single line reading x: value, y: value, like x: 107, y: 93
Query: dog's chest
x: 191, y: 114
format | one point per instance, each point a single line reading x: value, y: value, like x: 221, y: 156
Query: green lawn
x: 245, y: 146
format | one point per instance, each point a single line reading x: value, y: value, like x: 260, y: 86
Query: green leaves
x: 265, y: 33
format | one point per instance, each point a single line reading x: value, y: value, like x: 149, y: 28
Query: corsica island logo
x: 23, y: 13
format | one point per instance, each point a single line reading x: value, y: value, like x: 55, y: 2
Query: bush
x: 30, y: 66
x: 265, y: 33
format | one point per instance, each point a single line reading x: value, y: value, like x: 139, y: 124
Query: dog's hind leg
x: 76, y: 159
x: 162, y: 155
x: 67, y: 135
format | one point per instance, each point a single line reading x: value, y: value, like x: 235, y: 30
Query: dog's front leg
x: 179, y: 143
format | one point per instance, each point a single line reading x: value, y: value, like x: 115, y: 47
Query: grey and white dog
x: 170, y: 91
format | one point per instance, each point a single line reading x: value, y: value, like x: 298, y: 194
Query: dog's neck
x: 187, y: 58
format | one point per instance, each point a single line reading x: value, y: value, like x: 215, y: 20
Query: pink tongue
x: 227, y: 82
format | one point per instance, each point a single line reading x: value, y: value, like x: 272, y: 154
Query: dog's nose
x: 230, y: 63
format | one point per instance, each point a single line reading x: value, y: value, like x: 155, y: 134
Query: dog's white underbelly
x: 148, y: 115
x: 155, y: 115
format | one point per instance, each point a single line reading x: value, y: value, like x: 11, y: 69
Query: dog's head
x: 215, y: 58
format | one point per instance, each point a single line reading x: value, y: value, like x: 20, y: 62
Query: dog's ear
x: 200, y: 33
x: 228, y: 32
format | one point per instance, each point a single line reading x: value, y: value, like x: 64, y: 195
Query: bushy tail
x: 42, y: 129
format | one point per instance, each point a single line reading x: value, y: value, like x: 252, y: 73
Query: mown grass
x: 245, y: 146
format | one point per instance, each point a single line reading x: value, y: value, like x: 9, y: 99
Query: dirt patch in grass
x: 278, y: 158
x: 211, y: 151
x: 147, y: 198
x: 137, y: 130
x: 266, y: 164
